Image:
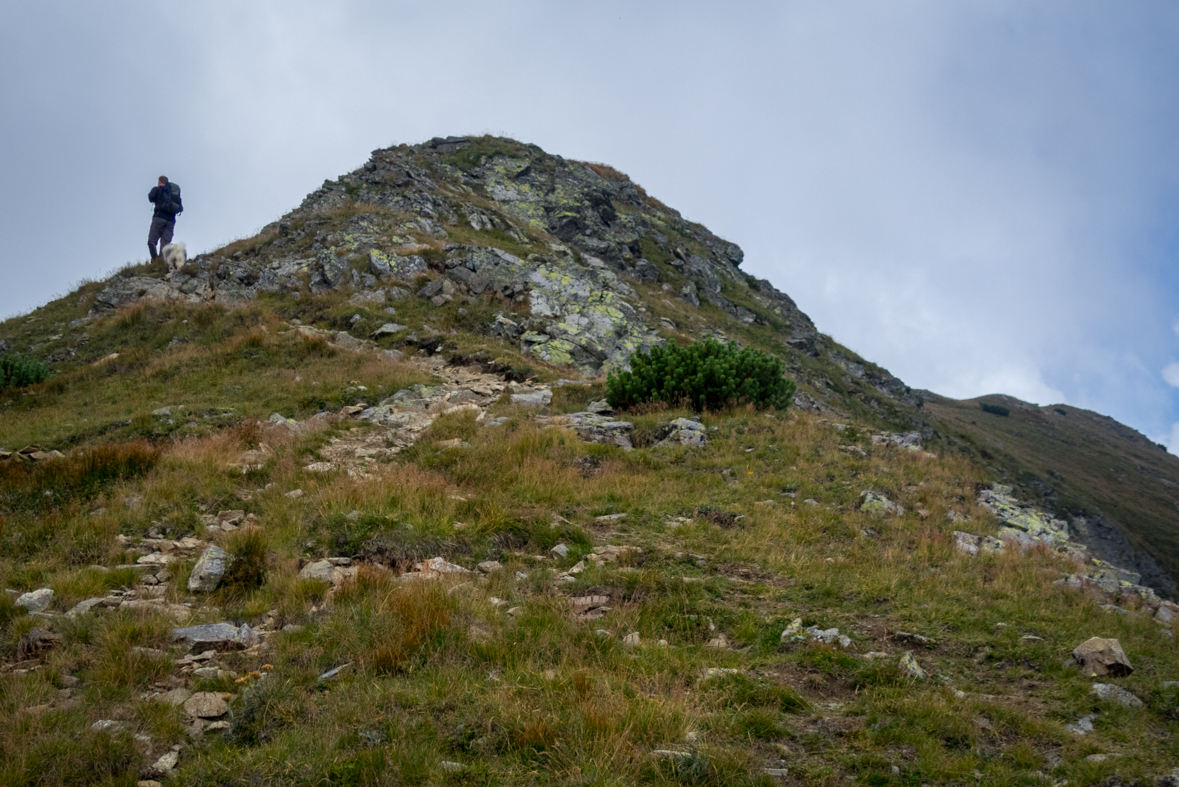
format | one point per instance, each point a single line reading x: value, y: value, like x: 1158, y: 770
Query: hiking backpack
x: 170, y: 199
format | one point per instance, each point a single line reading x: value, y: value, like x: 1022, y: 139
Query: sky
x: 981, y: 196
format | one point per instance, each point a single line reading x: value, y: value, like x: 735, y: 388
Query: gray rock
x: 600, y: 407
x: 601, y: 429
x: 320, y: 570
x: 533, y: 398
x: 107, y: 725
x: 388, y: 329
x: 223, y: 634
x: 209, y: 569
x: 488, y: 566
x: 970, y: 544
x: 684, y: 431
x: 879, y: 505
x: 560, y: 550
x: 1098, y: 656
x: 910, y: 667
x: 82, y: 607
x: 164, y: 764
x: 206, y: 705
x: 36, y: 600
x: 829, y: 636
x: 1082, y: 726
x: 1111, y: 693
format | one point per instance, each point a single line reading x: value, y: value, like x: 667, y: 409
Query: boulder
x: 1099, y: 656
x: 209, y: 569
x: 35, y: 600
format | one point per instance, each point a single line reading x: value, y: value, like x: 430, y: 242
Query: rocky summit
x: 353, y: 502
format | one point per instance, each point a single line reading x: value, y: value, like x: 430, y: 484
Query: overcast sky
x: 980, y: 196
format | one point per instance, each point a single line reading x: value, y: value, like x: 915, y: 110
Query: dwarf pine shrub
x: 994, y: 409
x: 16, y: 371
x: 705, y: 375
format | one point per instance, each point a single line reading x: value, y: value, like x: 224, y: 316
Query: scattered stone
x: 320, y: 570
x: 829, y: 636
x: 107, y: 725
x: 561, y: 551
x: 609, y: 517
x: 489, y: 566
x: 35, y: 600
x: 1098, y: 656
x: 165, y: 764
x: 223, y: 634
x: 600, y: 407
x: 1111, y: 693
x: 388, y: 329
x: 791, y: 631
x: 209, y: 569
x: 632, y: 639
x: 879, y: 505
x: 437, y: 566
x: 206, y: 705
x: 1099, y: 758
x: 533, y: 398
x: 910, y: 667
x: 294, y: 494
x: 334, y: 671
x: 452, y: 767
x: 319, y: 467
x: 684, y: 431
x: 969, y: 544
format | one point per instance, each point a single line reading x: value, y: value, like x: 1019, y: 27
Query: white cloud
x: 1171, y: 375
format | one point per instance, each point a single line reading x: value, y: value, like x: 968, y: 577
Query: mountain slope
x: 340, y: 504
x: 1119, y: 489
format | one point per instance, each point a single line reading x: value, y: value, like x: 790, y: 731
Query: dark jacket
x: 157, y: 196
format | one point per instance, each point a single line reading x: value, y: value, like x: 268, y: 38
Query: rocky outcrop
x: 564, y: 243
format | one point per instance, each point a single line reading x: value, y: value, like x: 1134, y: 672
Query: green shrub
x: 16, y: 371
x: 994, y: 409
x: 704, y: 375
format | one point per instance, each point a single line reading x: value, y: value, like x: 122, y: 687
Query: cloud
x: 1171, y: 374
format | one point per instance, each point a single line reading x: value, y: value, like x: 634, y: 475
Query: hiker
x: 166, y: 198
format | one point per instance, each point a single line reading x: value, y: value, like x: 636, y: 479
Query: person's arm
x: 151, y: 195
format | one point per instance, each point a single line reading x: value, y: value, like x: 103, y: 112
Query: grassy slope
x: 1092, y: 462
x: 538, y: 697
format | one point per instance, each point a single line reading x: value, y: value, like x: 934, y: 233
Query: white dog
x: 175, y: 255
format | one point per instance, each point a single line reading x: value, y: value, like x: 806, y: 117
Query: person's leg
x: 166, y: 234
x: 153, y: 237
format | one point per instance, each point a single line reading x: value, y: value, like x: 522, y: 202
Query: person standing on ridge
x: 166, y: 198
